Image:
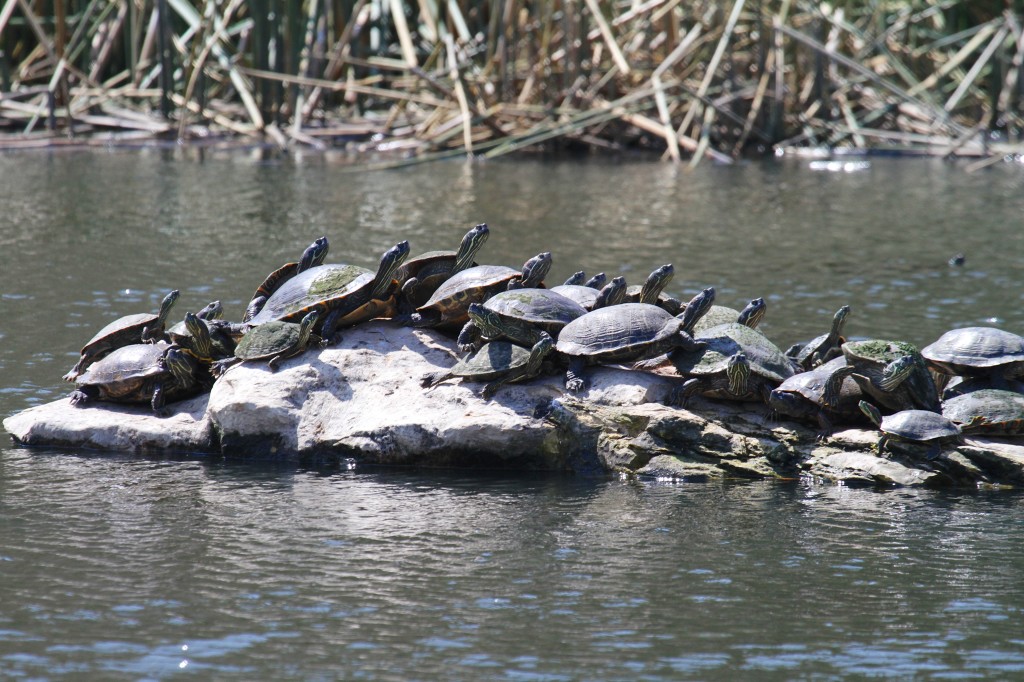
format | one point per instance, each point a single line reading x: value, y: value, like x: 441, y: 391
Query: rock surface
x: 362, y: 400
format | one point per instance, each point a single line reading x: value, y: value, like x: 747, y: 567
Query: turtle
x: 734, y: 362
x: 612, y: 293
x: 651, y: 290
x: 154, y: 373
x: 313, y: 256
x: 498, y: 363
x: 214, y: 310
x: 272, y: 341
x: 579, y: 279
x: 626, y: 333
x: 954, y: 386
x: 825, y: 394
x: 891, y: 381
x: 912, y: 427
x: 751, y: 315
x: 213, y: 342
x: 978, y: 352
x: 987, y: 412
x: 423, y: 274
x: 449, y: 305
x: 124, y: 331
x: 343, y: 295
x: 525, y: 315
x: 821, y: 349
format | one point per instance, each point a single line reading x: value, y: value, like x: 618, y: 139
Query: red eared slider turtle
x: 313, y: 256
x: 499, y: 363
x: 626, y: 333
x: 423, y: 274
x: 579, y: 279
x: 651, y: 290
x: 750, y: 316
x: 524, y: 315
x: 342, y: 295
x: 272, y: 341
x: 612, y: 293
x: 204, y: 338
x: 825, y: 394
x: 920, y: 427
x: 124, y: 331
x: 987, y: 412
x: 977, y: 351
x: 883, y: 374
x: 213, y: 310
x: 450, y: 303
x: 821, y: 349
x: 156, y: 373
x: 734, y: 362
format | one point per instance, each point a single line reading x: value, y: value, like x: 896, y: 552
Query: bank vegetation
x: 425, y: 79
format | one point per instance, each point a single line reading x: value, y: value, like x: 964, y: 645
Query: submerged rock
x: 362, y: 400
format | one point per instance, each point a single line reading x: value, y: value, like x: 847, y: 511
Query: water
x: 116, y: 567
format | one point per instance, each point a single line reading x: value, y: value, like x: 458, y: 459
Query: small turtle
x: 497, y: 362
x: 734, y: 362
x: 525, y: 315
x: 977, y: 352
x: 154, y: 373
x: 314, y: 255
x: 893, y: 382
x: 987, y: 412
x: 750, y: 316
x: 423, y: 274
x: 342, y: 295
x: 273, y: 341
x: 910, y: 427
x: 825, y: 394
x: 579, y: 279
x: 627, y: 333
x: 821, y: 349
x: 124, y: 331
x: 651, y: 291
x: 449, y: 305
x: 612, y: 293
x: 213, y: 343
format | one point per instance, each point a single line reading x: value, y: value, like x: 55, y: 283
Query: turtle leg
x: 157, y: 401
x: 825, y: 427
x: 469, y: 337
x: 405, y: 305
x: 218, y: 368
x: 681, y: 394
x: 83, y: 395
x: 79, y: 367
x: 574, y: 379
x: 491, y: 388
x: 434, y: 378
x: 330, y: 322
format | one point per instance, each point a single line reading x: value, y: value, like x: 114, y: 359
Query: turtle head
x: 487, y: 321
x: 738, y: 372
x: 390, y: 263
x: 306, y: 326
x: 656, y: 283
x: 896, y: 372
x: 201, y: 343
x: 838, y: 320
x: 471, y: 244
x: 697, y: 308
x: 166, y: 305
x: 871, y: 412
x: 314, y: 254
x: 832, y: 390
x: 534, y: 271
x: 612, y: 293
x: 597, y: 281
x: 576, y: 279
x: 212, y: 311
x: 753, y: 313
x: 180, y: 364
x: 540, y: 351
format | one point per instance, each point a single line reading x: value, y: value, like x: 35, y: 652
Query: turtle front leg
x: 83, y: 395
x: 157, y: 401
x: 574, y: 379
x: 330, y: 322
x: 825, y: 427
x: 469, y: 338
x: 681, y: 394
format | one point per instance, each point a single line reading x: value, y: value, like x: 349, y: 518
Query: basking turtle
x: 154, y: 373
x: 273, y: 341
x: 213, y: 310
x: 987, y: 412
x: 206, y: 339
x: 977, y: 352
x: 524, y: 315
x: 651, y: 291
x: 450, y: 303
x: 890, y: 380
x: 423, y: 274
x: 825, y: 394
x: 734, y: 362
x: 954, y: 386
x: 910, y: 427
x: 342, y: 295
x: 750, y: 316
x: 124, y: 331
x: 313, y: 255
x: 626, y: 333
x: 579, y: 279
x: 497, y: 362
x: 612, y: 293
x: 821, y: 349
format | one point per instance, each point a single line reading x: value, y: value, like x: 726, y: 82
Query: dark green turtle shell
x: 628, y: 331
x: 472, y: 285
x: 919, y: 426
x: 131, y: 374
x: 581, y: 295
x: 716, y: 315
x: 269, y: 339
x: 726, y: 340
x: 492, y: 361
x: 543, y: 308
x: 987, y: 411
x: 973, y: 351
x: 319, y: 288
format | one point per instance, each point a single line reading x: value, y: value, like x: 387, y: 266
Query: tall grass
x: 428, y: 78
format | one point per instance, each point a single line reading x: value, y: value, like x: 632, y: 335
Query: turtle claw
x: 574, y: 385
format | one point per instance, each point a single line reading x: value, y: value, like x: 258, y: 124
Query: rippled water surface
x: 115, y: 567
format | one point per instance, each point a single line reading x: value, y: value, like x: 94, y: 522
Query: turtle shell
x: 493, y: 360
x: 809, y: 387
x: 869, y: 359
x: 127, y: 374
x: 122, y: 331
x: 317, y: 288
x: 543, y: 308
x: 472, y: 285
x: 726, y: 340
x: 620, y: 332
x: 581, y: 295
x: 716, y: 315
x: 268, y: 339
x: 974, y: 351
x: 1001, y: 412
x: 919, y: 426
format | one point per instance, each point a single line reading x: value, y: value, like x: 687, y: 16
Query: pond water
x: 117, y: 567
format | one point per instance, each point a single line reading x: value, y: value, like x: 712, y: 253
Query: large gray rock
x: 362, y: 400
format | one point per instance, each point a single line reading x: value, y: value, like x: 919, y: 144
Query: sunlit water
x: 115, y: 567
